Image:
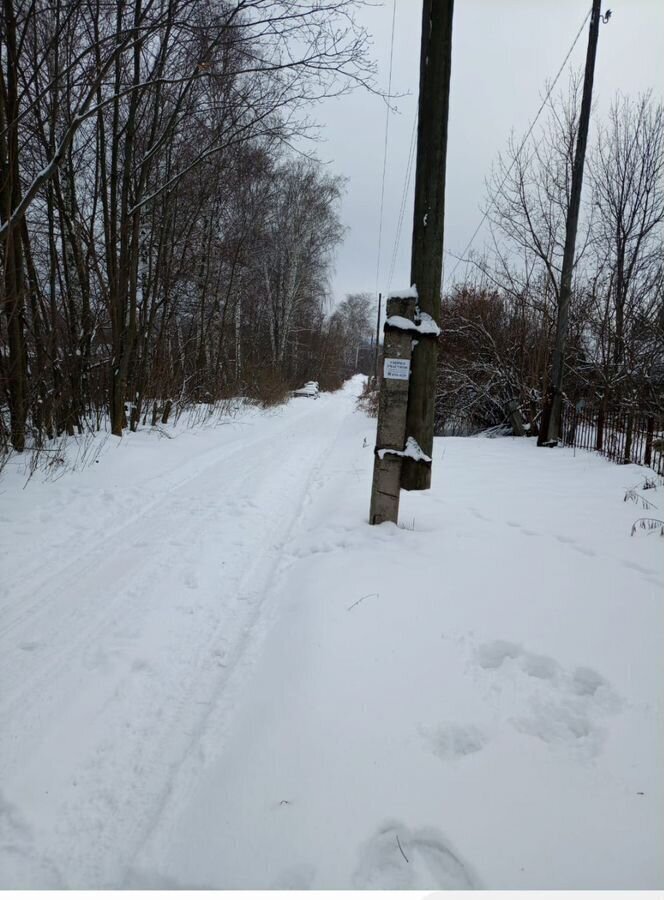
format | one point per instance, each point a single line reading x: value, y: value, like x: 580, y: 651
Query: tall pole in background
x: 428, y: 221
x: 551, y: 413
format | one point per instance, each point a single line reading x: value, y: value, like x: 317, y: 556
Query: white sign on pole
x: 399, y: 369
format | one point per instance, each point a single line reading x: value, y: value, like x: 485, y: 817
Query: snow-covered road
x: 213, y: 673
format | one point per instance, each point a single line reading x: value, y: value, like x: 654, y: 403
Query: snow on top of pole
x: 404, y: 294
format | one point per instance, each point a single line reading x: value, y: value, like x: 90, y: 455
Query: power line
x: 404, y: 198
x: 387, y: 130
x: 525, y: 139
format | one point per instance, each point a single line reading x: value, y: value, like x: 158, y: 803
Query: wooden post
x: 571, y: 434
x: 599, y: 443
x: 629, y: 432
x: 428, y: 219
x: 554, y: 400
x: 650, y: 430
x: 392, y: 408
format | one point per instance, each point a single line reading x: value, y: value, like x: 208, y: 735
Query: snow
x: 411, y: 450
x: 309, y: 389
x: 215, y: 673
x: 409, y: 293
x: 426, y: 325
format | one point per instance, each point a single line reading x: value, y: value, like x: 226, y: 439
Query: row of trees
x: 159, y: 240
x: 499, y: 323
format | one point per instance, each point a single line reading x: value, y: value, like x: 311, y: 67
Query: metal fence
x: 622, y: 435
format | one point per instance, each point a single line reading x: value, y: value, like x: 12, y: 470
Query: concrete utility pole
x: 551, y: 413
x: 392, y: 403
x: 428, y: 219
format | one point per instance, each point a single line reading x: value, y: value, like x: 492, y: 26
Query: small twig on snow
x: 366, y: 597
x: 401, y: 848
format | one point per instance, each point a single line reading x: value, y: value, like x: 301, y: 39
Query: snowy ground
x: 214, y: 673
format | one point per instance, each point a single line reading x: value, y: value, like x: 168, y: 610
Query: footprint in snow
x: 494, y: 654
x: 562, y: 708
x: 538, y: 666
x: 584, y: 551
x: 573, y: 545
x: 396, y: 858
x: 452, y: 741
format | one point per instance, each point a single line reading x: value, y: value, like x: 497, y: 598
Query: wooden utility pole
x: 428, y: 220
x: 392, y: 403
x: 551, y: 413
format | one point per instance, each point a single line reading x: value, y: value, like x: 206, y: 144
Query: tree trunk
x: 13, y: 299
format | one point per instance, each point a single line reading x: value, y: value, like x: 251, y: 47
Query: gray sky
x: 504, y: 51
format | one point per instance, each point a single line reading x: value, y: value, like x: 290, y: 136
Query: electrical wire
x: 523, y: 142
x: 387, y: 131
x: 404, y: 198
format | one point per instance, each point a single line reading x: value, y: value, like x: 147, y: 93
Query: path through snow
x: 213, y: 673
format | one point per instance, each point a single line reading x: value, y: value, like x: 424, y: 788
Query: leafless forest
x: 499, y: 321
x: 162, y: 241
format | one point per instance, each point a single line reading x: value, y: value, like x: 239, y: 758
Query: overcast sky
x: 504, y: 52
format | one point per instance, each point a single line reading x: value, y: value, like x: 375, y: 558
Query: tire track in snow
x: 60, y: 608
x: 95, y: 839
x: 44, y: 575
x: 213, y: 726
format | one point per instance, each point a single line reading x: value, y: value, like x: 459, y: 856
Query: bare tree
x: 131, y: 205
x: 627, y: 172
x: 498, y: 331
